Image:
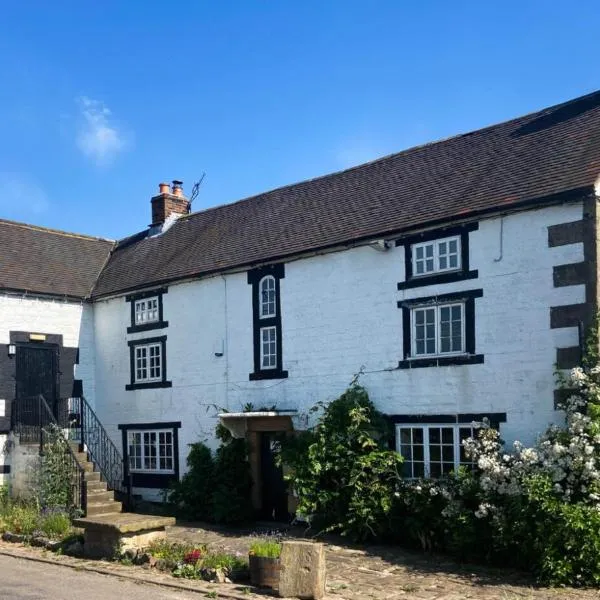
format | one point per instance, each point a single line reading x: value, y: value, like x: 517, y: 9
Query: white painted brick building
x: 454, y: 284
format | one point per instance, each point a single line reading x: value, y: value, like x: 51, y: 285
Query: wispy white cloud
x: 98, y: 135
x: 21, y: 197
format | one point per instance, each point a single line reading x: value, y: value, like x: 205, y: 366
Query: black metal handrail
x: 33, y: 421
x: 94, y: 440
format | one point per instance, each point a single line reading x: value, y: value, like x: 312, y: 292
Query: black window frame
x: 470, y: 357
x: 462, y: 274
x: 255, y: 276
x: 149, y: 479
x: 163, y: 383
x: 160, y: 324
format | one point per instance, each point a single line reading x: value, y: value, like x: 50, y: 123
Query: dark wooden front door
x: 36, y: 372
x: 274, y: 491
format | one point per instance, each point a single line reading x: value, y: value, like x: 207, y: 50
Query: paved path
x: 27, y: 580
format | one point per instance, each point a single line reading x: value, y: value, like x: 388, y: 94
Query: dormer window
x: 146, y: 311
x: 268, y: 297
x: 437, y: 256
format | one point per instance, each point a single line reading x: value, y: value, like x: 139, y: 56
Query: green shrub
x: 22, y: 519
x: 192, y: 496
x: 266, y: 549
x: 232, y: 499
x: 221, y: 560
x: 55, y: 525
x: 343, y: 472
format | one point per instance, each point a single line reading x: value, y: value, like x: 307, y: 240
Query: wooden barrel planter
x: 264, y: 572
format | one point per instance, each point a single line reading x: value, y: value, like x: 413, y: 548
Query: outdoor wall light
x: 12, y: 349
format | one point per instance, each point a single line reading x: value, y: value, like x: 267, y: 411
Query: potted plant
x: 263, y: 562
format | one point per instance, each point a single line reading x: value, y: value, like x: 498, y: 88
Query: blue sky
x: 101, y: 101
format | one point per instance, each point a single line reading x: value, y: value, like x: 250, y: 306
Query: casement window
x: 268, y: 296
x: 436, y: 256
x: 148, y: 363
x: 268, y: 347
x: 151, y: 451
x: 440, y: 330
x: 147, y: 310
x: 266, y: 320
x: 151, y: 454
x: 432, y: 450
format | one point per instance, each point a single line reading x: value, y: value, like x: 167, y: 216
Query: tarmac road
x: 27, y: 580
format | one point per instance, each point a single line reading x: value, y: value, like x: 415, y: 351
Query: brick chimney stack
x: 170, y: 200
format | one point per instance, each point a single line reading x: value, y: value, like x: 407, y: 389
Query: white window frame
x: 143, y: 469
x: 147, y: 348
x: 264, y: 306
x: 146, y: 310
x: 436, y: 256
x: 269, y: 367
x: 456, y: 444
x: 438, y: 329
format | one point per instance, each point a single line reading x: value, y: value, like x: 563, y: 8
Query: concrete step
x: 96, y: 486
x: 100, y: 497
x: 104, y: 509
x: 92, y: 476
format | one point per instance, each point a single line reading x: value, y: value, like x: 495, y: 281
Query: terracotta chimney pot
x: 164, y: 188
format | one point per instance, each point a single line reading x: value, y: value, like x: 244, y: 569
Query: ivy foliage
x: 216, y: 488
x: 342, y: 470
x: 56, y: 473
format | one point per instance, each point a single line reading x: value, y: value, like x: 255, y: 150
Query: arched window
x: 266, y: 297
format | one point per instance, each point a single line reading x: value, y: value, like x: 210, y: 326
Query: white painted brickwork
x: 74, y: 321
x: 339, y: 312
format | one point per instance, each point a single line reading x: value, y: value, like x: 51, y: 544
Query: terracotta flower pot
x: 264, y: 572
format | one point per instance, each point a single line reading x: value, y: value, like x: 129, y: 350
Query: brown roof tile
x: 550, y: 152
x: 45, y: 261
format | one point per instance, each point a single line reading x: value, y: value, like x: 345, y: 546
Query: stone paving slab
x: 391, y: 573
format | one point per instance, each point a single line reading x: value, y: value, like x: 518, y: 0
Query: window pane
x: 448, y: 454
x: 419, y: 470
x: 443, y: 262
x: 405, y: 437
x: 435, y: 470
x: 429, y: 251
x: 419, y: 317
x: 448, y: 435
x: 419, y: 252
x: 453, y: 246
x: 442, y: 247
x: 434, y: 435
x: 407, y: 471
x: 429, y: 265
x: 435, y: 453
x: 417, y: 435
x: 453, y: 262
x: 418, y: 453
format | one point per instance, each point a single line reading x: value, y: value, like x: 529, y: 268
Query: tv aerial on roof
x: 195, y: 191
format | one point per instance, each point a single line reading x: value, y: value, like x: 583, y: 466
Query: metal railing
x: 35, y: 422
x: 94, y: 440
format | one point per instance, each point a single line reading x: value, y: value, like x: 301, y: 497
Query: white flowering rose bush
x: 533, y: 507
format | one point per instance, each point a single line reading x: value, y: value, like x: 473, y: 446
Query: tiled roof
x: 45, y: 261
x: 550, y: 152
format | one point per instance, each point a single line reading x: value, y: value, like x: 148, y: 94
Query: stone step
x: 99, y: 497
x: 104, y: 508
x: 87, y: 466
x: 81, y: 457
x: 96, y: 486
x: 92, y: 476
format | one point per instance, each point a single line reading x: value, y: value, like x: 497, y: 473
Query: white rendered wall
x: 339, y: 313
x: 73, y: 320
